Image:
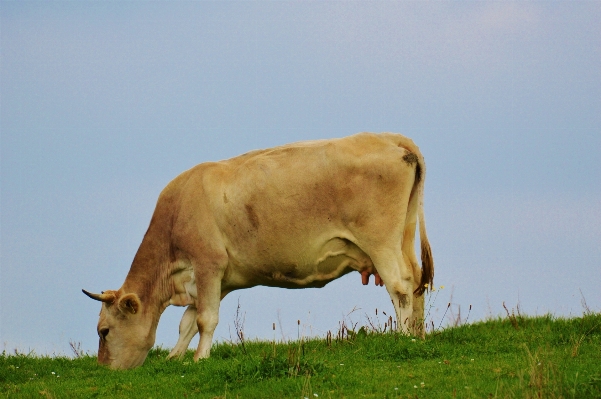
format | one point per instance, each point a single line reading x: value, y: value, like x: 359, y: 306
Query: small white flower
x: 422, y: 383
x: 412, y: 339
x: 472, y: 360
x: 415, y: 386
x: 342, y: 364
x: 396, y: 389
x: 316, y: 395
x: 182, y: 376
x: 53, y: 373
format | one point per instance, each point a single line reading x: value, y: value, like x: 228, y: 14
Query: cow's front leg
x: 187, y: 331
x: 208, y: 282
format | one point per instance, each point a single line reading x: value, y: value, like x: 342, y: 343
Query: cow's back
x: 282, y: 206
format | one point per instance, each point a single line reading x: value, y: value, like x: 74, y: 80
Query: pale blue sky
x: 102, y: 103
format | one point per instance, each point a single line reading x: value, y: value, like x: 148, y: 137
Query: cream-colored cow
x: 295, y: 216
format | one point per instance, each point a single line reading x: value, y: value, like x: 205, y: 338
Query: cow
x: 295, y: 216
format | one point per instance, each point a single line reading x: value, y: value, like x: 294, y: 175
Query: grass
x: 513, y: 357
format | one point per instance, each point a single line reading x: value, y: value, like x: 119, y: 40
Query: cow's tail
x: 416, y: 211
x: 427, y: 279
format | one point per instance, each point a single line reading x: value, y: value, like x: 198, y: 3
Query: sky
x: 103, y: 103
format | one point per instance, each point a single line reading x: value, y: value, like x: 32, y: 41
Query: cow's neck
x: 155, y: 275
x: 150, y: 273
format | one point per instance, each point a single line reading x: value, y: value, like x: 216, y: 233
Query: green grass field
x: 513, y: 357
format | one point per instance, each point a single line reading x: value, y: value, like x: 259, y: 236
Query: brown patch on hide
x: 410, y: 158
x: 402, y: 299
x: 252, y: 216
x: 225, y: 200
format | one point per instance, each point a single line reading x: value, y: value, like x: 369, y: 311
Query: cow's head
x: 126, y: 329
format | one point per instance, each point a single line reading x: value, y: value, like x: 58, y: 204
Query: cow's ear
x: 129, y: 303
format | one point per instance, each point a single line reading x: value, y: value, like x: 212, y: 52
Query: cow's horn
x: 100, y: 297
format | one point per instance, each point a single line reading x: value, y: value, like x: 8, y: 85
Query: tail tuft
x: 427, y: 280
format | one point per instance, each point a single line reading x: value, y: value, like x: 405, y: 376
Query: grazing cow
x: 295, y: 216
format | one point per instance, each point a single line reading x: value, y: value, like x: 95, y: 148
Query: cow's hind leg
x: 418, y: 322
x: 187, y: 331
x: 398, y: 279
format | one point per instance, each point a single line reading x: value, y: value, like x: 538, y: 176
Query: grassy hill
x: 514, y: 357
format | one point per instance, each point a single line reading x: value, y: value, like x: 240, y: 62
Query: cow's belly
x: 306, y: 266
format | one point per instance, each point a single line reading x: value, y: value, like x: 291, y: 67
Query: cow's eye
x: 103, y: 333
